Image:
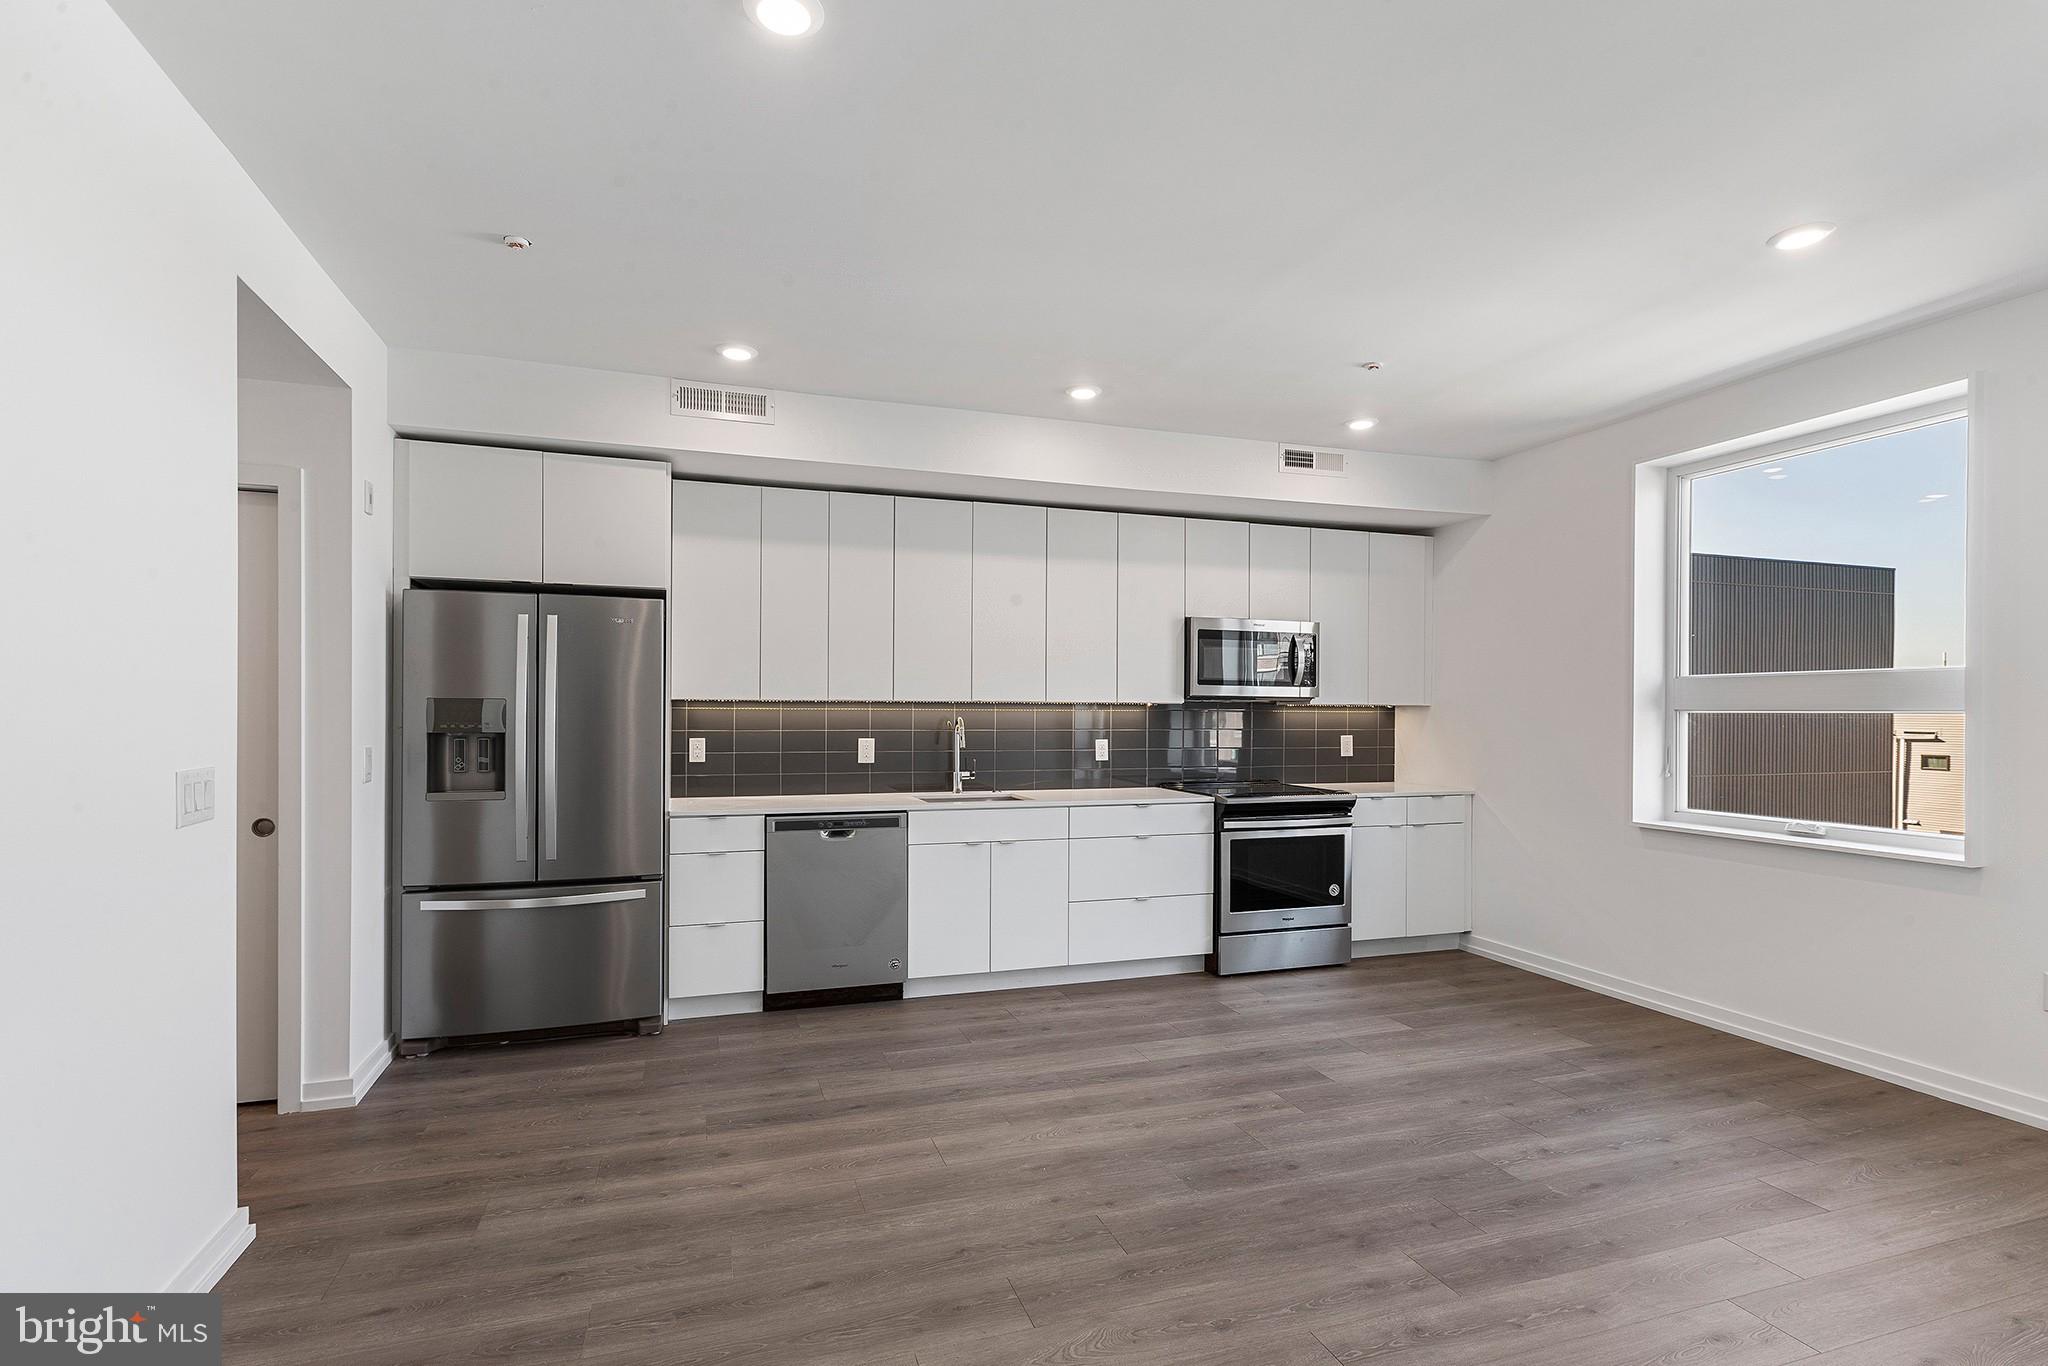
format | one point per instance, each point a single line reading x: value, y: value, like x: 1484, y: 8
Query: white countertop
x: 909, y: 801
x: 1065, y: 796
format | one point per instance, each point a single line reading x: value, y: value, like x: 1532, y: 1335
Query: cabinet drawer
x: 709, y: 889
x: 1140, y: 865
x: 1126, y: 930
x: 1142, y: 818
x: 1380, y: 811
x: 716, y: 960
x: 1436, y: 810
x: 713, y: 834
x: 1020, y: 822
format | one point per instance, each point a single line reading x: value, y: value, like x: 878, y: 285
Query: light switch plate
x: 194, y: 787
x: 696, y: 749
x: 1344, y: 746
x: 369, y: 499
x: 1102, y: 751
x: 864, y: 750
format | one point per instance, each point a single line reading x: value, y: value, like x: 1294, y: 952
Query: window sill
x: 1960, y: 859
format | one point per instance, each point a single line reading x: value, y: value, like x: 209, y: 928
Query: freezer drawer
x: 547, y: 957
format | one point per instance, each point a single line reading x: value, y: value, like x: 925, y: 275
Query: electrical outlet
x: 1102, y: 751
x: 194, y: 788
x: 1344, y: 746
x: 696, y: 749
x: 864, y: 750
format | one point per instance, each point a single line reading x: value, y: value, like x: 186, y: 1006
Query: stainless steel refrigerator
x: 533, y: 727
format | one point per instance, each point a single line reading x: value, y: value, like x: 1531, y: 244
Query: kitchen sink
x: 974, y: 797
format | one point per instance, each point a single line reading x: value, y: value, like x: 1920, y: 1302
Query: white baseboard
x: 1421, y: 943
x: 212, y: 1261
x: 339, y: 1093
x: 1072, y: 975
x: 1934, y: 1081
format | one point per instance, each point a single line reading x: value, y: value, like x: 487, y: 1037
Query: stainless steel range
x: 1283, y: 875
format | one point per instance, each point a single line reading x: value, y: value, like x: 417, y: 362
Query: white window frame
x: 1665, y: 693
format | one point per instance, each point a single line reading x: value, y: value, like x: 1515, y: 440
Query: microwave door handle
x: 1294, y: 660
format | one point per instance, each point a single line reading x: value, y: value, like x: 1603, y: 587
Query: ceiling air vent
x: 688, y: 398
x: 1306, y: 460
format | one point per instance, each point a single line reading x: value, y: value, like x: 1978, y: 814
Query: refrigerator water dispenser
x: 466, y: 749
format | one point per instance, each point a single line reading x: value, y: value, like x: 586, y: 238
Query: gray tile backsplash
x: 770, y: 749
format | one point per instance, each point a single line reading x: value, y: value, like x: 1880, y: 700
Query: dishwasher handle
x: 836, y: 827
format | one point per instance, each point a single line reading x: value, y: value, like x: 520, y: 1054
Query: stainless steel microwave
x: 1238, y: 657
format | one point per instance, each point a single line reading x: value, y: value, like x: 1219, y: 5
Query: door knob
x: 263, y: 827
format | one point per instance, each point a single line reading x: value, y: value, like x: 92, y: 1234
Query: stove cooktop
x: 1238, y: 789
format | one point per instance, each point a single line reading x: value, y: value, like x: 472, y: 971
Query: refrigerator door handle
x: 522, y: 768
x: 551, y: 827
x: 527, y: 903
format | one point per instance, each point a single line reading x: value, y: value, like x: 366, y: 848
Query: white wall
x: 906, y: 448
x: 127, y: 228
x: 1934, y: 974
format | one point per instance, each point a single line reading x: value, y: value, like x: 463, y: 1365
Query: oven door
x: 1284, y: 876
x: 1236, y: 657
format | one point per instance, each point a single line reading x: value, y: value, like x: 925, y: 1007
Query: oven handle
x: 1302, y: 823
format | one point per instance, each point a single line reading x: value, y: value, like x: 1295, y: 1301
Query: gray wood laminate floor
x: 1434, y: 1159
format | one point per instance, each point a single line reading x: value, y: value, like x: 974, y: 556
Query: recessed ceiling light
x: 1082, y: 393
x: 1801, y: 237
x: 737, y: 351
x: 1363, y: 424
x: 786, y: 18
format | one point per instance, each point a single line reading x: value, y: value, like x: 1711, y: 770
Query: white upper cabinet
x: 860, y: 637
x: 1080, y: 606
x: 796, y: 532
x: 499, y: 515
x: 1279, y: 573
x: 1397, y: 621
x: 1009, y: 603
x: 934, y: 600
x: 1219, y: 569
x: 1151, y: 598
x: 1339, y: 599
x: 605, y: 521
x: 473, y: 512
x: 714, y: 628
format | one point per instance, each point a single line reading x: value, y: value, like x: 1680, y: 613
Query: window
x: 1808, y: 666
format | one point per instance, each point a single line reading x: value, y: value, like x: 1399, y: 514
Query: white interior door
x: 256, y: 801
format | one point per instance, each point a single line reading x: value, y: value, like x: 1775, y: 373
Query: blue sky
x: 1858, y: 504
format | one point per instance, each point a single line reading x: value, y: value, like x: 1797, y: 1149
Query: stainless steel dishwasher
x: 838, y: 908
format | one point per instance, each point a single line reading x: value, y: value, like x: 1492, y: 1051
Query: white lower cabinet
x: 1141, y: 865
x: 949, y: 909
x: 1379, y: 881
x: 716, y: 960
x: 711, y: 889
x: 1411, y: 862
x: 1439, y: 879
x: 1131, y: 928
x: 1027, y: 922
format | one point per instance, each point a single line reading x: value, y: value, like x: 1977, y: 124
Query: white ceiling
x: 1539, y: 215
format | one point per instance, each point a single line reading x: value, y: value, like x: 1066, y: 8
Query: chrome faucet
x: 961, y: 773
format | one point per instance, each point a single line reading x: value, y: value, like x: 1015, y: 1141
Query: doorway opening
x: 292, y: 441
